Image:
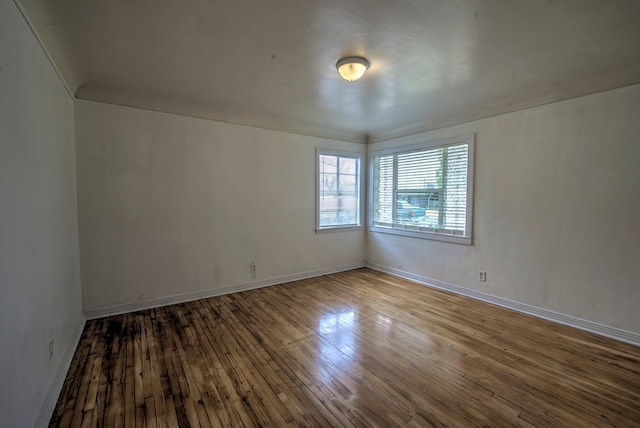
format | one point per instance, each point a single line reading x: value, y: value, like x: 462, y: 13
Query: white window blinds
x: 423, y: 190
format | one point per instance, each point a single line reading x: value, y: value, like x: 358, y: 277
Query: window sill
x: 463, y: 240
x: 333, y: 229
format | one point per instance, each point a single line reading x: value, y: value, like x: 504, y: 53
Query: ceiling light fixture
x: 352, y: 68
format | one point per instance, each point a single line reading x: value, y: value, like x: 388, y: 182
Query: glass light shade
x: 352, y: 68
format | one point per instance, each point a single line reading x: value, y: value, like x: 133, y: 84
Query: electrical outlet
x: 51, y: 349
x: 252, y: 267
x: 482, y: 276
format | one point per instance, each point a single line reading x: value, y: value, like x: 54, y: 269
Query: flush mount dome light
x: 352, y: 68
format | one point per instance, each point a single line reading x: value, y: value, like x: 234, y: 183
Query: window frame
x: 360, y: 176
x: 428, y: 144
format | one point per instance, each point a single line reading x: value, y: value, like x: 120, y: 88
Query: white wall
x: 171, y: 206
x: 557, y: 206
x: 39, y: 264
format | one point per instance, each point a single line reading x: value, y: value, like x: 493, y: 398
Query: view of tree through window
x: 338, y: 190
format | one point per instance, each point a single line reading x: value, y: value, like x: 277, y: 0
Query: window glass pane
x: 348, y: 184
x: 338, y: 191
x: 347, y: 217
x: 329, y: 185
x: 348, y: 165
x: 328, y: 164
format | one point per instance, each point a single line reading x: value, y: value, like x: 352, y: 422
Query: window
x: 424, y: 190
x: 338, y: 190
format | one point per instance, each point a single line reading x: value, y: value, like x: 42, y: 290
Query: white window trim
x: 467, y: 239
x: 361, y: 191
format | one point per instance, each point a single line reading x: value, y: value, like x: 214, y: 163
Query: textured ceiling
x: 271, y: 63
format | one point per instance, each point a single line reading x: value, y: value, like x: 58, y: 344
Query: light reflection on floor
x: 390, y: 332
x: 338, y: 329
x: 385, y: 323
x: 338, y: 359
x: 337, y: 345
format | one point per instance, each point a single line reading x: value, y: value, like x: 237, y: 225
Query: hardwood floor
x: 358, y: 348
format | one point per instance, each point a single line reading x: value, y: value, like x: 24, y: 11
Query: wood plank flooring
x: 358, y: 348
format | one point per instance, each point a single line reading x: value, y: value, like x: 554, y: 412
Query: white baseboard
x: 105, y: 311
x: 582, y: 324
x: 53, y: 392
